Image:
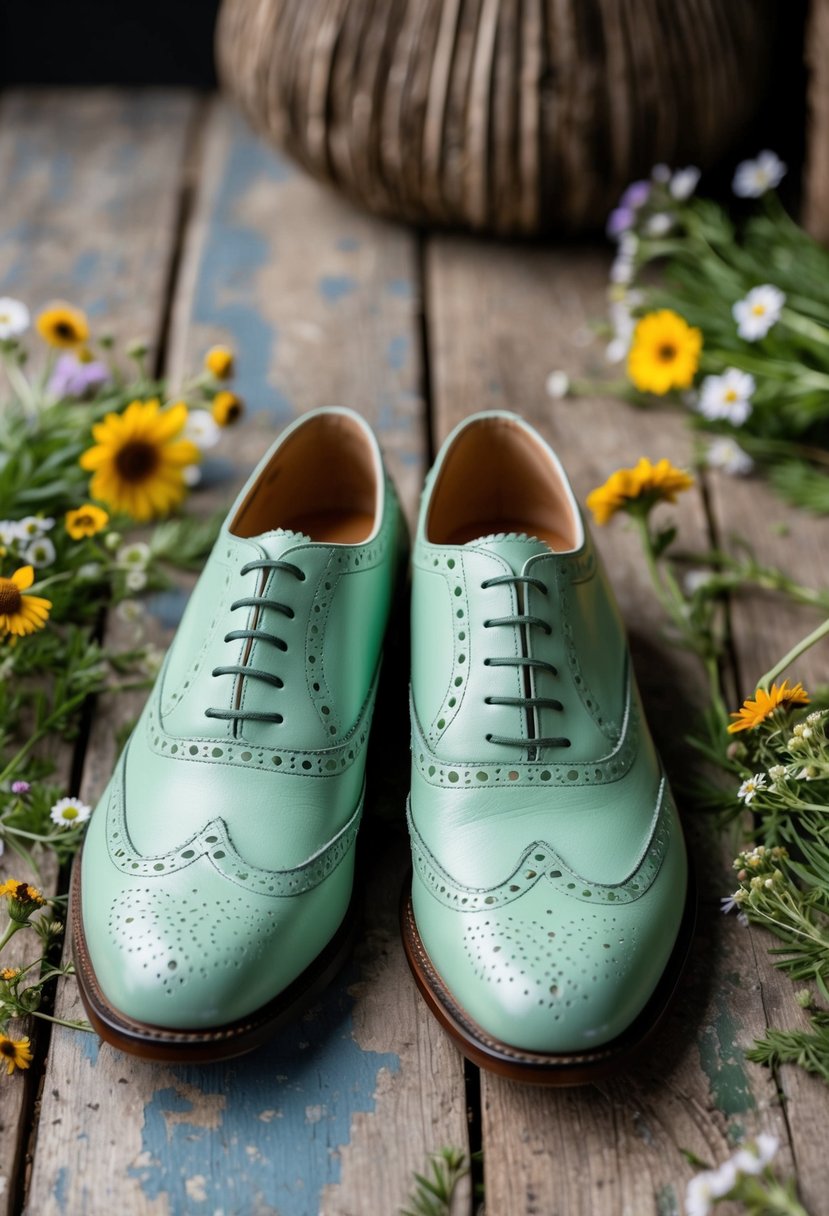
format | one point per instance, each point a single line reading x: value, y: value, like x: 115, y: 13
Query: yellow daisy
x: 752, y: 713
x: 62, y: 325
x: 87, y: 520
x: 14, y: 1053
x: 219, y: 361
x: 664, y: 353
x: 639, y: 488
x: 9, y: 973
x: 227, y: 408
x: 21, y: 614
x: 139, y: 459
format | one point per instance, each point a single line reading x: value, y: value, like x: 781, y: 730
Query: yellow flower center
x: 666, y: 352
x: 137, y: 460
x: 4, y: 318
x: 758, y: 310
x: 11, y: 600
x: 69, y: 812
x: 730, y: 394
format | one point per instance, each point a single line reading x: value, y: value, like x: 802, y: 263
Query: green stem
x: 796, y: 651
x: 20, y: 382
x: 47, y: 1017
x: 42, y: 730
x: 11, y: 929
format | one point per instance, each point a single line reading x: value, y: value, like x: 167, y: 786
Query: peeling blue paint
x: 233, y: 255
x: 335, y: 287
x: 397, y: 352
x: 168, y: 606
x: 287, y: 1111
x: 348, y: 244
x: 402, y: 288
x: 59, y: 1190
x: 86, y: 266
x: 90, y: 1046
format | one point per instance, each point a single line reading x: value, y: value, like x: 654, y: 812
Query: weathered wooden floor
x: 163, y: 215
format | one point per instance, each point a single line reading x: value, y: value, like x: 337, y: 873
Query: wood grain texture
x: 617, y: 1148
x: 90, y: 191
x: 321, y: 306
x: 816, y: 177
x: 498, y: 115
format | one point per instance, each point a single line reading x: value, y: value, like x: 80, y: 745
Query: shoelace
x: 526, y: 703
x: 256, y: 635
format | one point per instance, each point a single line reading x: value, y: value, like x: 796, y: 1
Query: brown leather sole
x: 219, y: 1042
x: 539, y: 1068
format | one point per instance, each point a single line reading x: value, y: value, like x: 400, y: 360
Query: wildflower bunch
x: 91, y: 443
x: 735, y: 328
x: 747, y: 1177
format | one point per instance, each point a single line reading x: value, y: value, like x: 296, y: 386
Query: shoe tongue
x: 274, y: 544
x: 514, y: 547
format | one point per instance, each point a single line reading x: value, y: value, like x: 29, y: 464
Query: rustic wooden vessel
x: 513, y: 116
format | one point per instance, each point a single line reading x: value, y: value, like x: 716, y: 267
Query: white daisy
x: 753, y: 178
x: 136, y: 580
x: 89, y: 572
x: 727, y: 396
x: 14, y: 317
x: 558, y: 384
x: 33, y: 526
x: 41, y: 552
x: 726, y: 454
x: 751, y: 787
x: 69, y: 812
x: 10, y: 532
x: 628, y: 244
x: 622, y: 270
x: 707, y: 1187
x: 192, y: 474
x: 683, y: 183
x: 760, y: 309
x: 754, y: 1159
x: 203, y: 429
x: 135, y: 554
x: 131, y: 612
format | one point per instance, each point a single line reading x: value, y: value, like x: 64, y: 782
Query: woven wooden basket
x: 512, y: 116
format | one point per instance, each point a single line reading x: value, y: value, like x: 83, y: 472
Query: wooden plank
x: 602, y: 1151
x: 321, y: 305
x: 816, y: 177
x: 91, y: 182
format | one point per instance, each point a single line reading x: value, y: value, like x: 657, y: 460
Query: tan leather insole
x: 333, y: 527
x: 488, y: 527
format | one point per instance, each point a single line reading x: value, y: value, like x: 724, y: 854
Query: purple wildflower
x: 73, y: 377
x: 20, y: 787
x: 636, y: 195
x: 619, y: 221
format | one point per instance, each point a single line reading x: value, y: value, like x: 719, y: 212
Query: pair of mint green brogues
x: 549, y: 910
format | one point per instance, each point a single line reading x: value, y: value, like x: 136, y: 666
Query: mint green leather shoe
x: 549, y: 914
x: 214, y: 888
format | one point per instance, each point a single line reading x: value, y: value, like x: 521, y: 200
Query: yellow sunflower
x: 138, y: 460
x: 664, y: 353
x: 14, y: 1053
x: 87, y: 520
x: 219, y: 361
x: 227, y: 408
x: 62, y: 325
x: 638, y: 488
x: 21, y: 614
x: 752, y: 713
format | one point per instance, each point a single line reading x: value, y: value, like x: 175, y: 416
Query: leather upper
x: 219, y: 861
x: 549, y: 876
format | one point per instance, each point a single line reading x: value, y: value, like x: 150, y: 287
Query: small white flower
x: 89, y: 572
x: 695, y: 580
x: 659, y: 224
x: 131, y: 612
x: 33, y: 526
x: 727, y: 396
x: 810, y: 773
x: 628, y: 244
x: 192, y: 474
x: 767, y: 1146
x: 815, y: 716
x: 203, y: 429
x: 558, y: 384
x: 726, y: 454
x: 616, y: 350
x: 778, y: 772
x: 112, y: 540
x: 622, y: 270
x: 153, y: 660
x: 707, y: 1187
x: 136, y: 580
x: 683, y: 183
x: 760, y: 309
x: 752, y: 178
x: 10, y: 532
x: 136, y: 554
x: 14, y: 317
x: 68, y: 812
x: 661, y: 174
x: 751, y: 787
x: 41, y: 552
